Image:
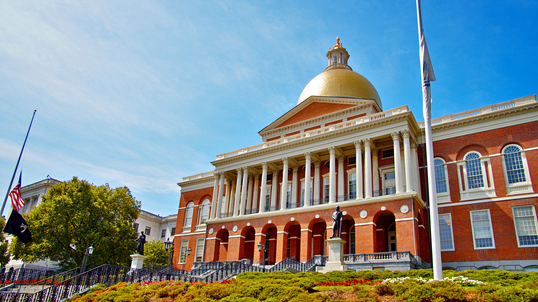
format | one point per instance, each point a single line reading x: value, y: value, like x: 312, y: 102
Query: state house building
x: 339, y: 146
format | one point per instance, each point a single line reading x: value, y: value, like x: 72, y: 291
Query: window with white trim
x: 446, y: 235
x: 475, y: 177
x: 441, y: 180
x: 516, y: 170
x: 189, y: 211
x: 352, y: 185
x: 482, y: 230
x: 526, y: 225
x: 183, y: 251
x: 352, y: 240
x: 204, y: 211
x: 199, y: 256
x: 147, y: 231
x: 326, y: 189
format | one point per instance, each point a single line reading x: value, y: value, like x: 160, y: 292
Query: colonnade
x: 242, y: 196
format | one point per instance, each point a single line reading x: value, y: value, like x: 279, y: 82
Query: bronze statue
x: 141, y: 241
x: 337, y: 225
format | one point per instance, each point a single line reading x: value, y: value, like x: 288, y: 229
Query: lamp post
x: 87, y: 253
x: 169, y: 246
x: 260, y: 246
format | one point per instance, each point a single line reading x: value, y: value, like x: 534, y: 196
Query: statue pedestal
x: 138, y: 261
x: 336, y: 256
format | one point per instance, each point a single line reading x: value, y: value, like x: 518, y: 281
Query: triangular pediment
x: 320, y: 110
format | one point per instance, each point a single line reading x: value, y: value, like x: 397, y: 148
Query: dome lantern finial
x: 338, y: 56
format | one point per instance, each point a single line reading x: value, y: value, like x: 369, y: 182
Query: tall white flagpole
x: 428, y: 75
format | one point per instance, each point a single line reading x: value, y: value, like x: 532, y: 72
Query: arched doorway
x: 348, y: 226
x: 293, y: 250
x: 319, y: 237
x: 221, y: 249
x: 270, y: 245
x: 385, y: 232
x: 250, y: 238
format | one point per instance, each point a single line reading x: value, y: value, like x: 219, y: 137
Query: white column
x: 249, y: 193
x: 416, y: 177
x: 227, y: 199
x: 317, y: 176
x: 409, y: 187
x: 307, y: 171
x: 274, y: 190
x: 332, y: 176
x: 284, y: 185
x: 215, y: 199
x: 237, y: 191
x: 263, y: 189
x: 340, y: 178
x: 367, y: 169
x: 244, y: 192
x: 375, y: 170
x: 294, y: 185
x: 358, y: 168
x: 397, y: 162
x: 219, y: 195
x: 256, y: 192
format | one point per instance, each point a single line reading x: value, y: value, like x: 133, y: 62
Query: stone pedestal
x: 138, y: 261
x: 336, y: 256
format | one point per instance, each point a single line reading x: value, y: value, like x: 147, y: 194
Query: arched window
x: 516, y: 171
x: 475, y: 178
x: 204, y: 211
x: 188, y: 215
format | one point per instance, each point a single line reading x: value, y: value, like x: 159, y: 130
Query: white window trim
x: 515, y: 225
x: 350, y: 174
x: 203, y: 248
x: 490, y: 227
x: 183, y: 251
x: 387, y: 170
x: 201, y: 210
x: 188, y: 227
x: 488, y: 191
x: 520, y: 187
x: 444, y: 197
x: 451, y: 233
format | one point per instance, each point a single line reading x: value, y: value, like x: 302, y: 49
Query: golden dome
x: 340, y: 82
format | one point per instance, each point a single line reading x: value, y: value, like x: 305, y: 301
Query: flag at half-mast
x: 16, y: 200
x: 427, y: 76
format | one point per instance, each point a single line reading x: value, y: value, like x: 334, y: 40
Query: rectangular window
x: 199, y: 250
x: 148, y: 231
x: 482, y: 229
x: 163, y: 233
x: 302, y: 193
x: 183, y: 251
x: 351, y: 160
x: 326, y: 189
x: 525, y: 221
x: 352, y: 185
x: 387, y: 153
x: 445, y: 232
x: 440, y: 177
x: 288, y: 195
x: 136, y: 227
x: 173, y: 232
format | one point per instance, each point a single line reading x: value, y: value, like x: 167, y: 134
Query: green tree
x: 155, y: 253
x: 4, y: 254
x: 78, y: 214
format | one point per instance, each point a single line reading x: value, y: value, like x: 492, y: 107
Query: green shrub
x: 383, y: 289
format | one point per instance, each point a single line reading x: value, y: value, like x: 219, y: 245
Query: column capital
x: 317, y: 163
x: 413, y: 145
x: 295, y: 168
x: 406, y: 133
x: 239, y: 170
x: 367, y: 142
x: 264, y: 165
x: 308, y: 155
x: 332, y: 150
x: 358, y: 144
x: 340, y: 157
x: 395, y: 136
x: 245, y: 170
x: 285, y: 159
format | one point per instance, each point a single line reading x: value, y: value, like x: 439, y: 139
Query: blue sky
x: 143, y: 93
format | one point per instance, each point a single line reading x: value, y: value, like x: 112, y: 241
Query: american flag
x: 15, y: 195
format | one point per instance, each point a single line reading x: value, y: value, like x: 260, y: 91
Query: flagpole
x: 17, y: 166
x: 426, y: 95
